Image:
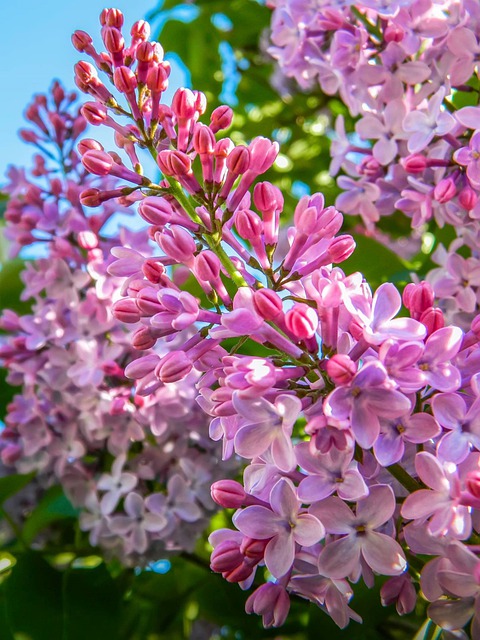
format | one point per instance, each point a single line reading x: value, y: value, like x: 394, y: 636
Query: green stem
x: 404, y: 478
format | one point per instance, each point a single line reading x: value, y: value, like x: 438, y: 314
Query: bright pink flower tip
x: 302, y: 321
x: 228, y: 494
x: 341, y: 369
x: 267, y: 303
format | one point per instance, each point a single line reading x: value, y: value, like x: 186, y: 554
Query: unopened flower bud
x: 415, y: 163
x: 341, y: 369
x: 173, y: 367
x: 221, y: 118
x: 445, y: 190
x: 125, y: 310
x: 267, y: 303
x: 155, y: 210
x: 341, y: 248
x: 433, y: 319
x: 467, y: 198
x: 302, y: 321
x: 228, y: 494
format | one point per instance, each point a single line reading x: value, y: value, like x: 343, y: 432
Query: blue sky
x: 35, y: 47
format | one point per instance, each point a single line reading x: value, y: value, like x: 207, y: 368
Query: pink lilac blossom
x: 78, y: 421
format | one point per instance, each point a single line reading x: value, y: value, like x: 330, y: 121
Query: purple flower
x: 284, y: 524
x: 367, y: 398
x: 360, y: 539
x: 269, y: 427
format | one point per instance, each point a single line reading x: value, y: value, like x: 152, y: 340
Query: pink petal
x: 257, y: 522
x: 283, y: 499
x: 430, y: 471
x: 308, y: 530
x: 280, y: 553
x: 253, y: 439
x: 377, y: 507
x: 340, y: 558
x: 383, y: 554
x: 335, y: 515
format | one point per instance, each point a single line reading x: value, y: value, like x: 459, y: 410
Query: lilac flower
x: 284, y: 524
x: 269, y: 426
x: 137, y: 523
x: 463, y: 426
x: 442, y: 502
x: 368, y: 398
x: 328, y: 473
x: 423, y: 125
x: 360, y: 539
x: 469, y: 157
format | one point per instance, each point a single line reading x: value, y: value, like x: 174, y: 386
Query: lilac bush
x: 314, y: 381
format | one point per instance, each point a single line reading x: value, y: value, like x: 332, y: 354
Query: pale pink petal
x: 340, y: 558
x: 280, y: 553
x: 335, y: 515
x: 308, y: 530
x: 430, y: 471
x: 257, y: 522
x: 377, y: 507
x: 383, y: 554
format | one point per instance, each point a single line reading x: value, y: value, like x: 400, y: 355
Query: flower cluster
x: 357, y: 426
x: 409, y: 70
x: 138, y: 469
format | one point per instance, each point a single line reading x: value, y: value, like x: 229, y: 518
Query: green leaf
x: 10, y: 485
x: 11, y: 286
x: 54, y: 506
x: 377, y: 263
x: 92, y: 605
x: 34, y: 599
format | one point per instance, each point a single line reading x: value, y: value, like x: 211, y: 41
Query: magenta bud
x: 173, y: 367
x: 248, y: 224
x: 126, y: 311
x: 91, y: 198
x: 228, y: 494
x: 177, y: 243
x: 253, y: 549
x: 184, y: 104
x: 27, y: 135
x: 226, y: 557
x: 113, y: 39
x: 124, y: 80
x: 415, y: 163
x: 88, y: 145
x: 433, y: 319
x: 472, y: 483
x: 94, y: 113
x: 393, y: 33
x: 467, y: 198
x: 153, y: 270
x: 85, y: 72
x: 341, y: 369
x: 341, y: 248
x: 445, y: 190
x: 221, y: 118
x: 370, y: 167
x: 475, y: 326
x: 271, y: 601
x: 174, y: 163
x: 141, y: 367
x: 238, y: 160
x: 155, y: 210
x: 140, y: 30
x: 207, y: 266
x: 203, y: 139
x: 263, y: 153
x: 81, y: 40
x: 267, y: 303
x: 418, y: 298
x: 142, y: 339
x: 157, y: 79
x: 267, y: 197
x: 10, y: 454
x: 302, y: 321
x: 111, y: 18
x: 97, y: 162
